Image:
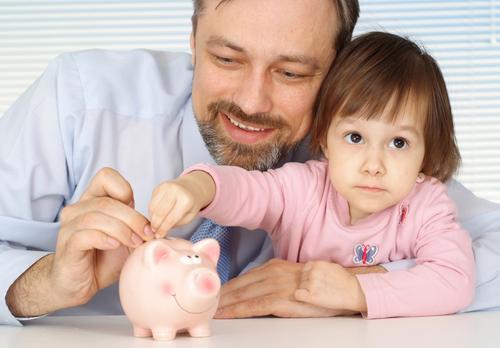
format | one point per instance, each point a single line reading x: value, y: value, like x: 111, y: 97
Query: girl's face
x: 374, y: 163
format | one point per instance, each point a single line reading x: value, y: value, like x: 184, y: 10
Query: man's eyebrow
x: 301, y: 59
x: 220, y: 41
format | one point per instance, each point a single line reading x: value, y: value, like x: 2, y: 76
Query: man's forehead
x: 293, y: 29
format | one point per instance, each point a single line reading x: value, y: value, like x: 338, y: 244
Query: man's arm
x: 269, y: 290
x: 92, y: 245
x: 38, y: 178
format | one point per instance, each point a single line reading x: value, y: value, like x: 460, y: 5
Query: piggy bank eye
x: 187, y: 260
x: 196, y: 259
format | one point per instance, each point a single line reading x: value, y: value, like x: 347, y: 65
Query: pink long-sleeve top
x: 307, y: 220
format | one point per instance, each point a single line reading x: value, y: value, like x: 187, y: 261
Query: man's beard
x: 251, y: 157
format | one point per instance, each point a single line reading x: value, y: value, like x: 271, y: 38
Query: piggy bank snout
x: 207, y: 283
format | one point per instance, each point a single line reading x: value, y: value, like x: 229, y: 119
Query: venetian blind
x: 464, y: 36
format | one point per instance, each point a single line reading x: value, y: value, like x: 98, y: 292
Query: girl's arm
x: 441, y: 282
x: 273, y: 200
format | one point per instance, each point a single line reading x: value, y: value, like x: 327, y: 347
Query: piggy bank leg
x: 202, y: 330
x: 141, y: 332
x: 164, y: 333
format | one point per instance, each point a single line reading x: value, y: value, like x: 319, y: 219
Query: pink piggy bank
x: 167, y: 285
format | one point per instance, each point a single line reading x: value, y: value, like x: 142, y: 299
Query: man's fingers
x: 91, y: 239
x: 109, y: 225
x: 303, y: 295
x: 246, y: 293
x: 134, y: 220
x: 109, y: 183
x: 243, y: 281
x: 256, y: 307
x: 273, y: 305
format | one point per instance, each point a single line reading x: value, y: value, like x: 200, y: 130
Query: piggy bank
x: 171, y: 285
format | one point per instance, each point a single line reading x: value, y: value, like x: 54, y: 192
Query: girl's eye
x: 354, y: 138
x: 398, y: 143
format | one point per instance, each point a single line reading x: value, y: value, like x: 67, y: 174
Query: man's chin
x: 251, y: 157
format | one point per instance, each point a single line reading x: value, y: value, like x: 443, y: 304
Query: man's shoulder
x: 134, y: 82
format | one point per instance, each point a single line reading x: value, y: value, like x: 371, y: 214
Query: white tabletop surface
x: 467, y: 330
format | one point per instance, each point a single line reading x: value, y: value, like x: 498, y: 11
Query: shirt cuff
x: 13, y: 263
x: 401, y: 265
x: 375, y: 300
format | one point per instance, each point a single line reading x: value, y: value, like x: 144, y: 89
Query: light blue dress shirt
x: 132, y: 111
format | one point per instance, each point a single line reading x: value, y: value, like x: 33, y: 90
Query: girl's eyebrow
x: 410, y: 129
x: 351, y: 120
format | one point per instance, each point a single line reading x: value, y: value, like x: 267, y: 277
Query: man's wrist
x: 31, y: 294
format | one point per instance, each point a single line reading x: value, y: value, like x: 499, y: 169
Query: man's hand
x: 330, y: 285
x: 93, y: 243
x: 177, y: 202
x: 270, y: 290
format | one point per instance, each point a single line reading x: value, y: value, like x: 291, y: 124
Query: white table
x: 476, y: 330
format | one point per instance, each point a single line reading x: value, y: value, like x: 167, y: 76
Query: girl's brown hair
x: 377, y: 71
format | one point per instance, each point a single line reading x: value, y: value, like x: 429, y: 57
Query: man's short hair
x: 348, y: 13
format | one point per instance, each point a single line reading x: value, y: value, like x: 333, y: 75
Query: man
x: 258, y: 66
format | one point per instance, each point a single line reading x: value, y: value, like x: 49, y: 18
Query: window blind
x: 464, y: 36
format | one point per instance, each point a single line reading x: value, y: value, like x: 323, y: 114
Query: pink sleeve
x: 442, y: 282
x: 258, y: 200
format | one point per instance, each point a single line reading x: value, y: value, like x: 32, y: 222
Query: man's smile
x: 242, y: 132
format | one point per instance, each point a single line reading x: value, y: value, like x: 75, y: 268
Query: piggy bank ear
x: 210, y: 247
x: 156, y: 252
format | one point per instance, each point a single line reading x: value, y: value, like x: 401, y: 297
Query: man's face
x: 258, y: 67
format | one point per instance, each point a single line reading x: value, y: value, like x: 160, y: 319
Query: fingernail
x: 148, y: 231
x: 136, y: 240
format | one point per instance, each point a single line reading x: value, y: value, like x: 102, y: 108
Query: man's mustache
x: 263, y: 119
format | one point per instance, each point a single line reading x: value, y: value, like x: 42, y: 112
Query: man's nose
x: 373, y: 162
x: 253, y: 94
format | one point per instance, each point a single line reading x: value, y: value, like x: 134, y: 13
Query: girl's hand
x: 330, y: 285
x: 175, y: 203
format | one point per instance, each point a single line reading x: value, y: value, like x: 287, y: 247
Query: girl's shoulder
x: 431, y: 192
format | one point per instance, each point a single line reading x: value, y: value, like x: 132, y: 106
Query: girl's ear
x: 324, y: 150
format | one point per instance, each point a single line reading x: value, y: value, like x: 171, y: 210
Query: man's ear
x: 193, y: 48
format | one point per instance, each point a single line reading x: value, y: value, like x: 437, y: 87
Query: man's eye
x: 290, y: 75
x: 398, y: 143
x: 354, y: 138
x: 224, y: 60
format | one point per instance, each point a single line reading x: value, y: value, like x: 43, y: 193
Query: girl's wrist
x: 202, y: 186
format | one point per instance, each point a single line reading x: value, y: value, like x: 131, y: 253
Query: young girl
x: 385, y: 128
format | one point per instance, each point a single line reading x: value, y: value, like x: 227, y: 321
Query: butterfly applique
x: 364, y: 254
